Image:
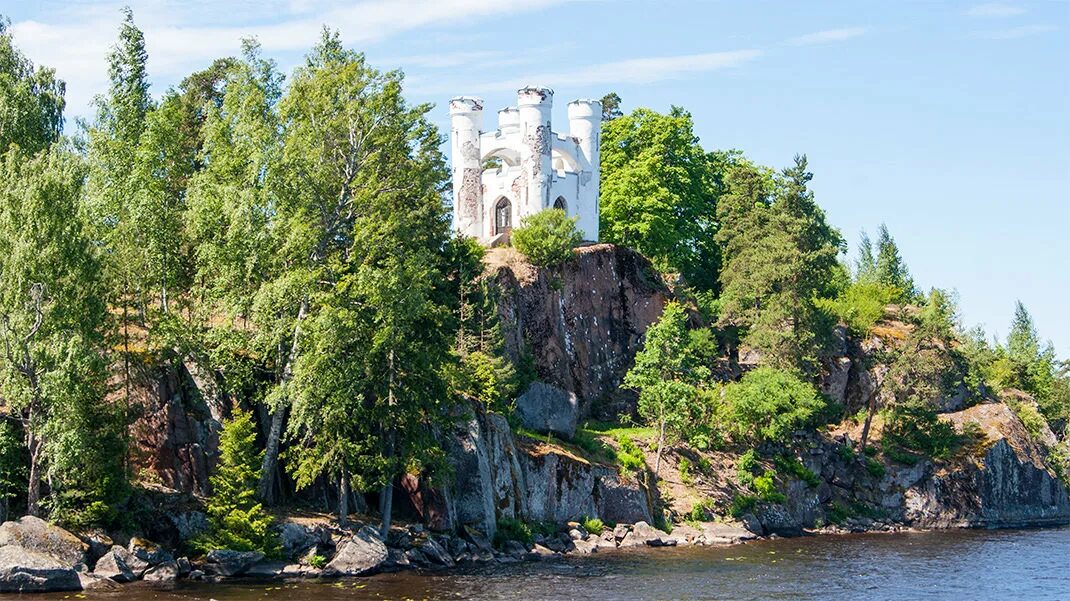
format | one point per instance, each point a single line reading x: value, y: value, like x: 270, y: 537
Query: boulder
x: 435, y: 553
x: 37, y: 535
x: 645, y: 534
x: 26, y: 571
x: 148, y: 551
x: 224, y: 562
x: 167, y: 571
x: 93, y: 582
x: 119, y: 565
x: 297, y: 538
x: 357, y: 555
x: 717, y: 533
x: 548, y: 409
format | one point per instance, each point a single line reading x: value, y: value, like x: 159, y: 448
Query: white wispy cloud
x: 994, y: 10
x: 180, y: 39
x: 827, y: 36
x: 635, y: 70
x: 1015, y: 33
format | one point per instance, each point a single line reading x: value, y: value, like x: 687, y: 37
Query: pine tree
x: 236, y: 520
x: 890, y: 269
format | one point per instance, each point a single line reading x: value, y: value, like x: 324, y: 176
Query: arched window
x: 561, y: 204
x: 503, y: 216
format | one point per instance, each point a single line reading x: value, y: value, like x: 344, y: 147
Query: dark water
x: 971, y: 565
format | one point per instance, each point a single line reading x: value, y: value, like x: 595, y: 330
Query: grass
x: 874, y: 467
x: 643, y: 433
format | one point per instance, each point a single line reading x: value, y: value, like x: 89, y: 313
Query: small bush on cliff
x: 861, y: 305
x: 914, y: 428
x: 547, y: 237
x: 593, y: 525
x: 768, y: 404
x: 793, y: 466
x: 235, y: 520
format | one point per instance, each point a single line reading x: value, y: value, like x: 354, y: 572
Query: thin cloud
x: 1016, y: 33
x: 635, y: 71
x: 994, y: 10
x: 828, y: 36
x: 77, y: 43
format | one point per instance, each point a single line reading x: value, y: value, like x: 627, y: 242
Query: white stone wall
x: 538, y: 166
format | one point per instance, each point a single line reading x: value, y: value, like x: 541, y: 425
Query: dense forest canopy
x: 291, y: 235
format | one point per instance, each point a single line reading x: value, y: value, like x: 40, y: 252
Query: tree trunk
x: 33, y: 489
x: 661, y: 445
x: 265, y: 489
x: 343, y: 498
x: 386, y: 497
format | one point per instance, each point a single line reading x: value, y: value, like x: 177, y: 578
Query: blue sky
x: 948, y: 121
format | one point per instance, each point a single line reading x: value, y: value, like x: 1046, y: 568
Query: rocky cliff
x: 580, y: 323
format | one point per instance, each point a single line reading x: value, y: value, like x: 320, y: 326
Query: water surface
x: 949, y: 565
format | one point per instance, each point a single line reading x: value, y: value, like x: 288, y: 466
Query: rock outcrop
x: 548, y: 409
x: 363, y: 553
x: 580, y: 323
x: 25, y: 571
x: 38, y: 536
x: 1007, y: 484
x: 497, y: 475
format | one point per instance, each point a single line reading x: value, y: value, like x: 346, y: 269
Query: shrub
x: 793, y: 466
x: 768, y: 404
x: 593, y: 525
x: 629, y: 456
x: 846, y: 453
x: 747, y: 467
x: 861, y: 305
x: 513, y: 529
x: 874, y: 467
x: 317, y: 561
x: 765, y: 486
x: 742, y: 504
x: 235, y: 520
x: 547, y: 237
x: 837, y: 512
x: 700, y: 512
x: 1031, y: 418
x: 489, y: 378
x: 685, y: 470
x: 914, y: 427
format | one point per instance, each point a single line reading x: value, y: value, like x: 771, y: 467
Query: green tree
x: 659, y: 192
x: 779, y: 254
x: 361, y: 198
x: 1032, y: 363
x: 52, y: 370
x: 235, y: 519
x: 31, y: 99
x: 767, y: 405
x: 547, y: 237
x: 890, y: 269
x: 665, y: 375
x: 611, y: 107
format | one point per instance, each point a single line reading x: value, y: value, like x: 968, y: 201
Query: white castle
x: 537, y: 168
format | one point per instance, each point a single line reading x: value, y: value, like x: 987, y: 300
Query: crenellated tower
x: 529, y: 166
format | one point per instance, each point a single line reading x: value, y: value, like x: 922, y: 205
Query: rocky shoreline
x: 37, y: 557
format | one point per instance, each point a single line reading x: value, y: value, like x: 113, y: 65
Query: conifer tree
x: 236, y: 520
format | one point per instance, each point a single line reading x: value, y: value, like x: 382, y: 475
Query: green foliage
x: 489, y: 378
x: 860, y: 305
x: 31, y: 99
x: 629, y: 456
x: 742, y: 505
x: 768, y: 404
x: 791, y: 465
x: 659, y: 192
x: 886, y: 268
x: 703, y: 511
x: 915, y: 428
x: 236, y: 520
x: 547, y: 238
x: 765, y: 486
x: 746, y: 467
x: 845, y: 452
x: 684, y: 466
x: 665, y: 375
x: 513, y: 529
x: 874, y: 467
x: 317, y: 561
x: 1031, y: 418
x: 593, y: 525
x: 779, y: 254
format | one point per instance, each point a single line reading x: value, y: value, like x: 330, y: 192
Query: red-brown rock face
x: 581, y: 323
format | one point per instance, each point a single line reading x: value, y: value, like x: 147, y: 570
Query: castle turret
x: 508, y: 119
x: 466, y: 121
x: 535, y: 105
x: 585, y: 125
